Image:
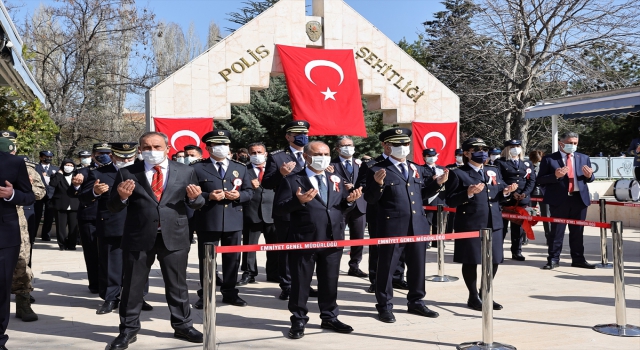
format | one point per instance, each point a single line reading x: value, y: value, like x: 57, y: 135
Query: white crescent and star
x: 182, y: 133
x: 324, y: 63
x: 434, y: 134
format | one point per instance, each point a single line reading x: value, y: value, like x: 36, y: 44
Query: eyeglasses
x: 480, y: 148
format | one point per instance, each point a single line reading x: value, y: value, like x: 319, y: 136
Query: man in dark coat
x: 46, y: 169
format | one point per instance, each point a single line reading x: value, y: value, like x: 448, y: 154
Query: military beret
x: 459, y: 151
x: 473, y: 142
x: 46, y: 154
x: 84, y: 154
x: 8, y: 135
x: 101, y: 147
x: 301, y: 126
x: 6, y: 145
x: 429, y: 152
x: 217, y: 136
x: 124, y: 149
x: 512, y: 143
x: 396, y: 135
x: 495, y: 150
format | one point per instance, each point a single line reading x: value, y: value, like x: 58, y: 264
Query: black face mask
x: 46, y: 160
x: 243, y: 159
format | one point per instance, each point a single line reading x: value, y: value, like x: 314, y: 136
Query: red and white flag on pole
x: 184, y: 131
x: 324, y: 90
x: 441, y: 136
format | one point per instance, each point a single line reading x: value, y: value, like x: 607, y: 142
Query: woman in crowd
x: 65, y: 206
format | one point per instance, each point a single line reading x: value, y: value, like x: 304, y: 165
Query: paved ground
x: 542, y: 309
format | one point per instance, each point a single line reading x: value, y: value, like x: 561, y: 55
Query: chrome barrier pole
x: 209, y: 314
x: 487, y: 299
x: 441, y: 277
x: 620, y: 328
x: 604, y: 264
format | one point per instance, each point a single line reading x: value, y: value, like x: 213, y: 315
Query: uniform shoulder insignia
x: 196, y: 161
x: 276, y: 152
x: 31, y: 164
x: 491, y: 166
x: 452, y: 168
x: 238, y: 162
x: 101, y: 165
x: 93, y: 167
x: 375, y: 163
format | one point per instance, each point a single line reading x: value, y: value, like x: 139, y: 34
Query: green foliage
x: 251, y: 9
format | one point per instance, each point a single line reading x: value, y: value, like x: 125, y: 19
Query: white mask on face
x: 153, y: 157
x: 400, y: 151
x: 120, y: 164
x: 569, y: 148
x: 494, y: 156
x: 68, y: 169
x: 140, y: 157
x: 515, y: 151
x: 347, y: 151
x: 220, y: 151
x: 431, y: 160
x: 85, y: 161
x: 320, y: 163
x: 189, y: 159
x: 180, y: 160
x: 257, y: 159
x: 459, y: 159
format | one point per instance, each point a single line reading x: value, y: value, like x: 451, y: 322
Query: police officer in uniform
x: 86, y: 159
x: 46, y: 171
x: 430, y: 156
x: 399, y: 187
x: 494, y: 156
x: 459, y: 159
x: 226, y: 186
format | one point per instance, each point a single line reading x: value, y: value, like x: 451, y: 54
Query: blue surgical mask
x: 479, y: 157
x: 103, y: 159
x: 301, y: 140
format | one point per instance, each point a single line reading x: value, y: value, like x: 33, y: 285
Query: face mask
x: 347, y: 151
x: 258, y: 159
x: 400, y: 151
x: 188, y: 160
x: 459, y: 159
x: 219, y: 151
x: 46, y: 160
x: 319, y: 163
x: 494, y: 157
x: 568, y: 148
x: 514, y: 152
x: 68, y: 169
x: 140, y: 157
x: 479, y: 157
x: 180, y: 160
x: 153, y: 157
x: 103, y: 159
x: 243, y: 159
x: 85, y: 161
x: 431, y: 160
x: 121, y: 164
x: 301, y: 140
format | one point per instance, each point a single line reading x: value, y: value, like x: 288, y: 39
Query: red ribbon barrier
x: 434, y: 208
x: 345, y: 243
x: 620, y: 204
x: 558, y: 220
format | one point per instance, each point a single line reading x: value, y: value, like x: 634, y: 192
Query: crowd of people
x: 127, y: 204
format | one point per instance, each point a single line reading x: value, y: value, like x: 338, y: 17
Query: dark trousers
x: 356, y: 221
x: 389, y: 255
x: 327, y: 265
x: 137, y: 265
x: 398, y: 274
x: 32, y: 226
x: 517, y: 233
x: 636, y: 173
x: 67, y: 229
x: 110, y: 255
x: 251, y: 235
x: 432, y: 217
x: 42, y: 207
x: 282, y: 231
x: 89, y: 242
x: 230, y: 261
x: 8, y: 261
x: 575, y: 209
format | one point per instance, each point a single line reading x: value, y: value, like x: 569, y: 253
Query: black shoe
x: 583, y: 265
x: 107, y: 307
x: 497, y: 306
x: 402, y: 284
x: 199, y: 304
x: 2, y: 347
x: 423, y: 311
x: 297, y: 330
x: 46, y: 238
x: 386, y: 316
x: 371, y: 289
x: 285, y: 295
x: 245, y: 280
x: 190, y: 334
x: 218, y: 281
x: 146, y: 306
x: 123, y: 340
x: 551, y: 266
x: 235, y: 301
x: 313, y: 293
x: 517, y: 257
x: 475, y: 303
x: 357, y: 273
x: 337, y: 326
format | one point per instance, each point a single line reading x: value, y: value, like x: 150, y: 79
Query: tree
x: 251, y: 9
x: 214, y: 35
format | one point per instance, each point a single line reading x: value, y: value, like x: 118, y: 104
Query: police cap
x: 297, y: 126
x: 124, y: 149
x: 46, y: 154
x: 459, y: 151
x: 429, y: 152
x: 8, y: 135
x: 396, y: 135
x: 101, y: 147
x: 512, y: 143
x: 473, y: 142
x: 494, y: 151
x: 217, y: 136
x: 84, y: 154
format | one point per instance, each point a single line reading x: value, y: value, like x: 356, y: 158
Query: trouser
x: 356, y: 222
x: 89, y: 242
x: 517, y: 233
x: 282, y: 231
x: 32, y: 226
x: 110, y: 267
x: 389, y: 255
x: 67, y: 229
x: 398, y: 273
x: 636, y: 173
x: 8, y: 260
x: 230, y: 261
x: 251, y: 235
x: 573, y: 208
x: 42, y: 207
x: 22, y: 275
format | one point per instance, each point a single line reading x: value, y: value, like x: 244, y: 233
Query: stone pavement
x: 542, y: 309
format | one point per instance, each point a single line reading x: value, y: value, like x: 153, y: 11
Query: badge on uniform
x: 492, y: 176
x: 415, y: 171
x: 358, y: 161
x: 336, y: 183
x: 236, y: 173
x: 528, y: 173
x: 236, y: 183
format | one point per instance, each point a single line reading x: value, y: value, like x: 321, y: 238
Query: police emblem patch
x: 221, y: 133
x: 398, y: 131
x: 236, y: 173
x: 314, y: 30
x: 125, y: 146
x: 5, y: 134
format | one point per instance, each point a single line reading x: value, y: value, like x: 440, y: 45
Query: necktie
x: 403, y: 168
x: 322, y: 188
x: 515, y: 162
x: 481, y: 172
x: 433, y: 169
x: 261, y: 173
x: 46, y: 168
x: 220, y: 169
x: 570, y: 173
x: 348, y: 166
x: 157, y: 181
x: 300, y: 160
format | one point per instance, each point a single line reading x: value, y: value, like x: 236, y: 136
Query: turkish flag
x: 184, y: 131
x: 324, y: 90
x: 441, y: 136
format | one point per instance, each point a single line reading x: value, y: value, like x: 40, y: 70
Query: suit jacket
x: 260, y: 207
x: 51, y: 171
x: 224, y: 215
x: 108, y: 224
x: 314, y: 220
x: 556, y: 191
x: 87, y: 210
x: 13, y: 170
x: 524, y: 175
x: 632, y: 151
x: 64, y: 195
x: 400, y: 200
x: 145, y: 213
x: 339, y: 169
x: 272, y: 176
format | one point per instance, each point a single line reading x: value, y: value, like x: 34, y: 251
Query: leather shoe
x: 583, y: 265
x: 497, y: 306
x: 246, y: 280
x: 517, y: 257
x: 107, y: 307
x: 371, y: 289
x: 235, y: 301
x: 313, y: 293
x: 146, y: 306
x: 336, y: 325
x: 199, y: 304
x: 475, y: 303
x: 2, y: 347
x: 551, y: 266
x: 285, y: 296
x: 402, y: 284
x: 357, y: 273
x: 190, y: 334
x: 386, y: 316
x: 423, y: 311
x: 123, y: 340
x: 297, y: 330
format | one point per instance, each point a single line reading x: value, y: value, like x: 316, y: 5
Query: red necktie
x: 260, y: 173
x: 157, y: 182
x: 570, y: 173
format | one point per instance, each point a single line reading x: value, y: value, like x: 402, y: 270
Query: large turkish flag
x: 441, y: 136
x: 324, y: 90
x: 184, y: 131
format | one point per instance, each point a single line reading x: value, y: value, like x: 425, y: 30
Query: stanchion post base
x: 444, y: 278
x: 603, y: 266
x: 617, y: 330
x: 478, y: 345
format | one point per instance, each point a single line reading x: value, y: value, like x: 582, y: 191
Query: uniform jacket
x: 260, y: 208
x: 37, y: 186
x: 88, y: 209
x: 339, y: 169
x: 440, y: 199
x: 14, y: 170
x: 524, y: 175
x: 272, y: 176
x: 108, y: 224
x: 556, y: 191
x: 52, y: 171
x: 224, y: 215
x: 145, y: 212
x: 63, y: 197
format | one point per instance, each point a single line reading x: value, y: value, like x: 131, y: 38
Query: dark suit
x: 87, y: 212
x: 636, y: 157
x: 221, y: 221
x: 435, y: 201
x: 316, y: 220
x: 153, y: 228
x: 258, y: 219
x: 66, y: 205
x: 563, y: 204
x: 13, y: 170
x: 451, y: 217
x: 42, y: 206
x: 271, y: 180
x: 355, y: 219
x: 400, y: 213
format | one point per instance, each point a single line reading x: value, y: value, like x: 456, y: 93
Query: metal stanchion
x: 487, y: 300
x: 604, y: 264
x: 620, y: 328
x: 209, y: 314
x: 441, y: 277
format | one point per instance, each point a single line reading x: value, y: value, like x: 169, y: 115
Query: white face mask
x: 569, y: 148
x: 153, y: 157
x: 431, y: 160
x: 319, y: 163
x: 180, y: 160
x: 257, y: 159
x: 459, y: 159
x: 400, y: 152
x: 347, y: 151
x: 494, y: 156
x: 85, y: 161
x: 140, y: 157
x: 220, y: 151
x: 68, y: 169
x: 189, y: 159
x: 515, y: 151
x: 120, y: 164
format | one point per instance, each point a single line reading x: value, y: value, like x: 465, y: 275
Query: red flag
x: 324, y: 90
x: 441, y: 136
x: 184, y: 131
